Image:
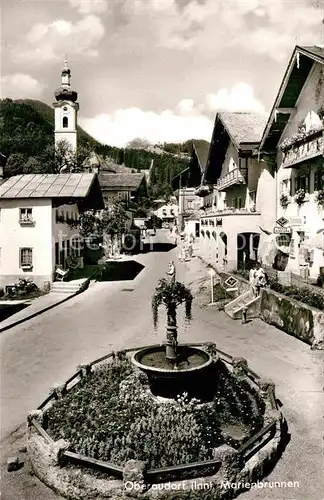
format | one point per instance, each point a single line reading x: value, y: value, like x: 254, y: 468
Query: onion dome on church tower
x: 65, y: 92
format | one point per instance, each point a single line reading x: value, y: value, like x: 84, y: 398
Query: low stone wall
x: 236, y: 468
x: 75, y: 484
x: 300, y: 320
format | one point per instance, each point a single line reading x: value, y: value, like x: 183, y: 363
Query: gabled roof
x: 124, y: 180
x: 67, y: 185
x: 201, y: 149
x: 297, y: 72
x: 244, y: 128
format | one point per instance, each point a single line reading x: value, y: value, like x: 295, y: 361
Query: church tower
x: 66, y: 110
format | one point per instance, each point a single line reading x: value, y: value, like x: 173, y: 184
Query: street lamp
x: 212, y: 273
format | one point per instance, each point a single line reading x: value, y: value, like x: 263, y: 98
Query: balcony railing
x: 232, y: 178
x: 230, y: 211
x: 301, y: 149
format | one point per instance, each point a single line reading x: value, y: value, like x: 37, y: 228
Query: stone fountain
x: 173, y: 369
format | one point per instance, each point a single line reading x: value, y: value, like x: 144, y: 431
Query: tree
x: 15, y: 165
x: 62, y: 157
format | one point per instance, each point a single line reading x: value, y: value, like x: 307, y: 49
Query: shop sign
x: 282, y: 230
x: 297, y: 220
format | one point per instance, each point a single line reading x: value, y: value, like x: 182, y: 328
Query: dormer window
x: 26, y: 216
x: 65, y: 122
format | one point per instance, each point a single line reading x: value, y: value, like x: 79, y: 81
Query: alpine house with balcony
x: 238, y: 191
x: 294, y: 137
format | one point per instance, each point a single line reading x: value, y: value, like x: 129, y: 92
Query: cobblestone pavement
x: 46, y: 350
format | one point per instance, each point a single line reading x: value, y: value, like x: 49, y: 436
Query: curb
x: 47, y: 308
x: 37, y: 313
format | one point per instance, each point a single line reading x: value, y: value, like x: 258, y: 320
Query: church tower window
x: 65, y: 122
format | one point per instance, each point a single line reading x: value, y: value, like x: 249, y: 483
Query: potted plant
x: 284, y: 200
x: 320, y: 197
x: 171, y: 294
x: 300, y: 196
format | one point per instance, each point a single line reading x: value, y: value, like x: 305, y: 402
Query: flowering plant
x: 300, y: 136
x: 171, y: 294
x: 300, y: 196
x: 284, y: 200
x: 320, y: 197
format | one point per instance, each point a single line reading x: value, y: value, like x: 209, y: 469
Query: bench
x: 60, y: 274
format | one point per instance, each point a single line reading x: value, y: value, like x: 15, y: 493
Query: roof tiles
x: 47, y: 186
x: 244, y: 128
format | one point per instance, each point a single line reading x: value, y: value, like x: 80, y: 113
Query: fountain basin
x: 191, y: 374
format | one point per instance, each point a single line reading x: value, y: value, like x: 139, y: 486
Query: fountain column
x: 171, y: 335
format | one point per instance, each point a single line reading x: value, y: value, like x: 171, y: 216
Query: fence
x: 246, y: 451
x: 289, y: 278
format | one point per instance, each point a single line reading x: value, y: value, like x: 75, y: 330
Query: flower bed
x: 112, y: 416
x: 80, y: 477
x: 302, y: 294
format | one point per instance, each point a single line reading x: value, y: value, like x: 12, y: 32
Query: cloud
x: 212, y: 25
x: 19, y: 86
x: 90, y: 6
x: 48, y: 42
x: 239, y: 98
x: 188, y: 120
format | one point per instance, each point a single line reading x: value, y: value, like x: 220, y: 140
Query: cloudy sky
x: 155, y: 69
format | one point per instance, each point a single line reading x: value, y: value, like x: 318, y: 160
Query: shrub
x: 302, y: 294
x: 220, y: 293
x: 111, y: 415
x: 2, y: 292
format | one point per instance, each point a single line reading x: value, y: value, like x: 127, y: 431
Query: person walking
x: 252, y: 280
x: 171, y: 271
x: 260, y: 279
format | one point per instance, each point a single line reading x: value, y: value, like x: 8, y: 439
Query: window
x: 234, y: 203
x: 239, y: 203
x: 65, y: 122
x: 26, y: 216
x: 319, y: 180
x: 302, y: 182
x: 26, y: 257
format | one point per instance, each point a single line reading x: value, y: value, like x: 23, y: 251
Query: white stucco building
x: 36, y: 218
x: 167, y: 211
x: 238, y: 192
x: 294, y: 136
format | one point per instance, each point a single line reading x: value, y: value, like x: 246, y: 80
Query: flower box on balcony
x: 299, y: 138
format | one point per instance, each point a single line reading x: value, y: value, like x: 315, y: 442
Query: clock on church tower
x: 66, y: 110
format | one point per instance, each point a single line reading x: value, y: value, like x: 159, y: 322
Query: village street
x: 46, y: 350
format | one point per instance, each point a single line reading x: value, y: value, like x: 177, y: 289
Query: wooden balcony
x: 302, y: 149
x: 231, y: 179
